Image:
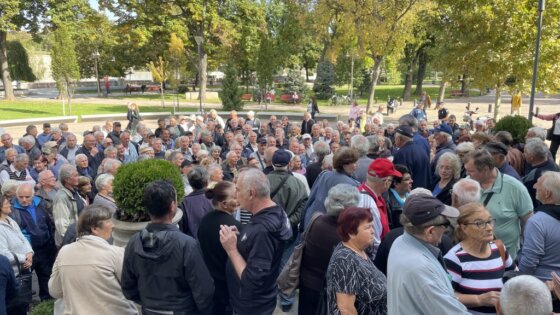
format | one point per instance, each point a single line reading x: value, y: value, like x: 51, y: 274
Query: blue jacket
x: 8, y: 283
x: 417, y: 161
x: 35, y: 222
x: 421, y: 142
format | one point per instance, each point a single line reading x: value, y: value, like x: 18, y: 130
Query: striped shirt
x: 473, y: 275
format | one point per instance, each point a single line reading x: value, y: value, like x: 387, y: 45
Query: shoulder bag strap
x: 488, y: 197
x: 502, y: 250
x: 277, y: 189
x: 314, y: 217
x: 17, y: 263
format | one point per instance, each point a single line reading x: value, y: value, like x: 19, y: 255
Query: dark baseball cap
x: 496, y: 148
x: 420, y: 209
x: 444, y: 128
x: 262, y: 140
x: 405, y: 131
x: 281, y: 158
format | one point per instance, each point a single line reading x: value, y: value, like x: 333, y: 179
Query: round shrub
x: 43, y: 308
x: 130, y: 181
x: 516, y: 125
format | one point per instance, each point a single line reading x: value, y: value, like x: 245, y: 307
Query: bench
x: 246, y: 97
x: 456, y: 93
x: 138, y: 88
x: 287, y: 98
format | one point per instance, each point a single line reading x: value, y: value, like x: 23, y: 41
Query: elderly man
x: 163, y: 269
x: 30, y: 212
x: 307, y: 123
x: 259, y: 153
x: 90, y: 150
x: 412, y: 156
x: 417, y: 282
x: 130, y: 148
x: 195, y: 205
x: 7, y: 143
x: 254, y: 260
x: 505, y: 197
x: 312, y: 171
x: 536, y: 154
x: 159, y: 151
x: 9, y: 160
x: 166, y: 141
x: 67, y: 203
x: 32, y: 151
x: 70, y: 149
x: 47, y: 188
x: 412, y: 122
x: 465, y: 191
x: 499, y: 153
x: 115, y: 133
x: 83, y: 167
x: 17, y: 170
x: 361, y: 144
x: 539, y: 254
x: 229, y: 166
x: 523, y: 295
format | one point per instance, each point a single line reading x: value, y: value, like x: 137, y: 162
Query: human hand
x: 94, y: 151
x: 228, y: 237
x: 28, y: 261
x: 489, y: 298
x: 556, y: 284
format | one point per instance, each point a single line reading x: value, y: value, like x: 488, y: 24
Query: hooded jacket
x: 34, y: 222
x: 164, y: 270
x: 261, y: 244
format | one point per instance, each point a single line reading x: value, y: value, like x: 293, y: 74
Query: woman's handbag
x: 288, y: 280
x: 25, y: 291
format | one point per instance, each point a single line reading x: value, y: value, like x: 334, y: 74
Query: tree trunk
x: 161, y: 94
x: 422, y: 64
x: 374, y: 78
x: 6, y: 79
x: 306, y: 74
x: 497, y: 102
x: 464, y: 85
x: 203, y: 75
x: 441, y: 94
x: 408, y: 79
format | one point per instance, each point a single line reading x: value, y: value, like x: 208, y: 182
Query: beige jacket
x: 65, y: 212
x: 87, y: 275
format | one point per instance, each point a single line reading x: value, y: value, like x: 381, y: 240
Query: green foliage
x: 391, y: 73
x: 516, y: 125
x: 43, y: 308
x: 365, y: 85
x: 266, y: 65
x: 132, y: 179
x: 18, y: 62
x: 296, y: 83
x: 64, y: 64
x: 231, y: 93
x: 326, y: 78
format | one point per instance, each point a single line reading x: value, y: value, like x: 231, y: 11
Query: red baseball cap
x: 382, y: 168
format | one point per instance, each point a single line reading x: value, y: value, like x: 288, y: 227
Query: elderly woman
x: 85, y: 189
x: 296, y: 166
x: 397, y: 194
x: 216, y: 174
x: 347, y: 292
x: 320, y: 242
x: 14, y: 246
x: 224, y: 201
x: 104, y: 197
x: 477, y: 263
x: 448, y: 168
x: 39, y: 165
x: 87, y: 273
x: 344, y: 165
x: 215, y: 154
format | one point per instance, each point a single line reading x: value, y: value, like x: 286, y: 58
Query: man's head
x: 443, y: 134
x: 68, y: 176
x: 6, y: 140
x: 95, y: 220
x: 479, y: 165
x: 82, y: 161
x: 252, y: 189
x: 21, y: 162
x: 27, y: 142
x: 465, y: 191
x: 536, y: 132
x: 125, y: 138
x: 498, y: 151
x: 71, y: 141
x: 380, y: 175
x: 403, y: 135
x: 31, y: 130
x: 198, y: 178
x: 409, y: 120
x: 177, y: 158
x: 536, y: 151
x: 11, y: 155
x: 24, y: 194
x: 281, y: 159
x: 160, y: 199
x: 89, y: 141
x: 548, y: 188
x: 524, y: 295
x: 360, y: 144
x: 47, y: 179
x: 157, y: 144
x: 426, y: 217
x: 116, y: 127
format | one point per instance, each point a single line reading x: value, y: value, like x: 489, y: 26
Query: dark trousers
x: 221, y: 305
x: 308, y: 300
x: 554, y: 144
x: 43, y: 261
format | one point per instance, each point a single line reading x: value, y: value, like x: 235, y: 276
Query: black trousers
x: 554, y: 144
x: 43, y: 261
x: 308, y: 300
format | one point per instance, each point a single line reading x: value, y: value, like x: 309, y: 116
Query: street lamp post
x: 536, y: 61
x: 96, y: 58
x: 198, y: 40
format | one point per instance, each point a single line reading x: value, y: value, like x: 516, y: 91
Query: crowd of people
x: 398, y: 218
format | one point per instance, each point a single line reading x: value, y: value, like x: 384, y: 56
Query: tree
x: 295, y: 83
x: 65, y: 69
x: 326, y: 77
x: 231, y: 93
x: 18, y: 61
x: 159, y: 74
x: 177, y: 59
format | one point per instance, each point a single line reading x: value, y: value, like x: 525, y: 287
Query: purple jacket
x: 195, y: 206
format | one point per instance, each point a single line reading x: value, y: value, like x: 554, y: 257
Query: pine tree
x: 231, y: 93
x: 326, y: 77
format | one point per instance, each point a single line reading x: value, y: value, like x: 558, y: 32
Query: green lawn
x: 20, y: 109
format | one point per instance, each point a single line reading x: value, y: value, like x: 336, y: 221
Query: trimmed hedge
x: 516, y: 125
x: 130, y: 181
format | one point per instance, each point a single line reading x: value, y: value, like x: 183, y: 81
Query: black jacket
x: 164, y: 270
x: 261, y: 244
x: 306, y: 126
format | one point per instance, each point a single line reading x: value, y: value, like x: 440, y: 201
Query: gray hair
x: 539, y: 132
x: 215, y: 147
x: 255, y: 179
x: 198, y: 177
x: 360, y: 143
x: 409, y: 120
x: 9, y: 185
x: 466, y: 191
x: 66, y: 171
x: 327, y: 162
x: 525, y: 295
x: 109, y: 150
x: 80, y: 156
x: 28, y: 139
x: 455, y: 163
x: 464, y: 147
x: 321, y: 148
x: 21, y: 157
x: 551, y: 181
x: 102, y: 181
x: 374, y: 146
x: 25, y: 185
x: 110, y: 164
x: 341, y: 197
x: 537, y: 149
x: 97, y: 133
x: 420, y: 191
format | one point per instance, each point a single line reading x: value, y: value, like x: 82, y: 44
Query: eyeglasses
x: 482, y: 224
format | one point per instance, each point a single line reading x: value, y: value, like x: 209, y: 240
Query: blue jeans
x: 284, y: 299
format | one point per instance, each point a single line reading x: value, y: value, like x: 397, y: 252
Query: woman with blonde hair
x: 133, y: 117
x: 477, y: 263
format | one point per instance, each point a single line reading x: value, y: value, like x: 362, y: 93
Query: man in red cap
x: 379, y: 178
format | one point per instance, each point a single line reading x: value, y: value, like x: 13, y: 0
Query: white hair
x: 9, y: 185
x: 340, y: 197
x: 525, y: 295
x: 539, y: 132
x: 102, y: 181
x: 360, y: 143
x: 28, y: 139
x: 536, y: 148
x: 464, y: 147
x: 551, y: 182
x: 453, y: 160
x: 466, y: 190
x: 420, y: 191
x: 255, y: 179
